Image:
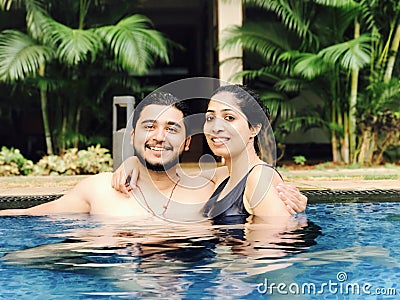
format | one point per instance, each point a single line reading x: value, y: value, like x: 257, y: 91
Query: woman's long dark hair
x: 256, y: 113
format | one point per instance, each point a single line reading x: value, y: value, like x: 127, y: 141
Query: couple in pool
x: 235, y: 120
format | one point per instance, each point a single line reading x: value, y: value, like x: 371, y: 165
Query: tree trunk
x: 43, y: 102
x: 345, y: 142
x: 393, y: 54
x: 77, y: 121
x: 340, y: 137
x: 334, y: 142
x: 353, y: 102
x: 63, y: 133
x: 369, y: 142
x: 365, y: 140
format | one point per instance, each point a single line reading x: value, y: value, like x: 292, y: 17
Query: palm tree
x: 306, y: 49
x: 130, y: 46
x: 306, y: 46
x: 378, y: 108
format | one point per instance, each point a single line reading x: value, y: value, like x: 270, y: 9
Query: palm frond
x: 47, y: 84
x: 309, y: 65
x: 73, y: 46
x: 289, y: 85
x: 350, y: 54
x: 332, y: 24
x: 20, y: 55
x: 267, y: 72
x: 383, y: 95
x: 266, y: 39
x: 304, y: 123
x: 133, y: 44
x: 77, y: 45
x: 9, y: 4
x: 367, y: 13
x: 337, y: 3
x: 278, y: 105
x: 35, y: 17
x: 292, y: 14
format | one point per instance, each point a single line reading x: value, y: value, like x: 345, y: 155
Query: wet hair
x: 164, y: 99
x: 255, y: 111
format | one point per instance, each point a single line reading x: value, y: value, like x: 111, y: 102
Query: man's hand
x: 295, y: 201
x: 125, y: 177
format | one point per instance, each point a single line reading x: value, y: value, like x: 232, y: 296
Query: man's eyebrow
x: 170, y: 123
x: 148, y: 121
x: 225, y: 109
x: 174, y: 124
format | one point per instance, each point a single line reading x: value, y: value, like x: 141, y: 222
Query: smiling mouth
x: 155, y: 148
x: 219, y: 140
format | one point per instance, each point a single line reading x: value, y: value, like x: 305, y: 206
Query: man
x: 159, y: 137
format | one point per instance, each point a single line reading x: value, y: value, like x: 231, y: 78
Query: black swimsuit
x: 232, y: 204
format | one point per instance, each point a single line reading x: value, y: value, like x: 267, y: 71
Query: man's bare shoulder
x: 105, y: 200
x: 95, y: 185
x: 100, y: 177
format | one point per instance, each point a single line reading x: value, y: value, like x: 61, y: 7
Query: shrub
x: 299, y: 160
x: 50, y: 165
x: 74, y: 162
x: 12, y: 162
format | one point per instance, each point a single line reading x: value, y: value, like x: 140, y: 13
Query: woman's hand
x: 295, y: 201
x: 125, y: 177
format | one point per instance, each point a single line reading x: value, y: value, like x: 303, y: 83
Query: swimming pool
x: 334, y: 251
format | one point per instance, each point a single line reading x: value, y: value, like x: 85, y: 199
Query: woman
x: 235, y: 120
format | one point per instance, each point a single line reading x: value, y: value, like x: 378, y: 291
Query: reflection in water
x: 176, y: 260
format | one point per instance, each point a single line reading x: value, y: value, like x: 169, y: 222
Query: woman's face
x: 226, y: 128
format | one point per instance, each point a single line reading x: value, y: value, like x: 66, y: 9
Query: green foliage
x: 343, y: 52
x: 20, y: 55
x: 133, y: 44
x: 74, y: 162
x: 320, y: 168
x: 67, y: 46
x: 299, y: 160
x: 12, y: 162
x: 354, y: 166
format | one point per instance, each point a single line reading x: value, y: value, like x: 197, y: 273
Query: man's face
x: 159, y: 137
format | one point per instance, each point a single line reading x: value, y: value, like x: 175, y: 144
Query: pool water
x: 334, y: 251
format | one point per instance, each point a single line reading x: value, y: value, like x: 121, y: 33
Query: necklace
x: 168, y: 201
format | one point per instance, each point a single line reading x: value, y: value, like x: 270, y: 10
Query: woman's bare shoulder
x: 262, y: 176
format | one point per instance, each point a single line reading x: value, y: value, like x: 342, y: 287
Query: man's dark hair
x: 162, y: 98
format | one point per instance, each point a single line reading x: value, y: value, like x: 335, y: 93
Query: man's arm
x: 74, y: 201
x: 124, y: 179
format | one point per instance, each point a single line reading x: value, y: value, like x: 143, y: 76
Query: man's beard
x: 158, y: 167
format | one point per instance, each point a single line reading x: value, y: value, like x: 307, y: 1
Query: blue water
x: 334, y: 251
